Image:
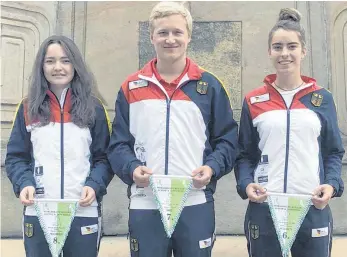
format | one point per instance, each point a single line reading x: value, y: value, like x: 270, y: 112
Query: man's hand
x: 202, y: 176
x: 141, y: 176
x: 87, y: 197
x: 321, y: 196
x: 26, y: 196
x: 256, y: 193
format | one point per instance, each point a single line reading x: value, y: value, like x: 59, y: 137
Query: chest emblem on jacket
x: 316, y: 99
x: 137, y: 84
x: 260, y: 98
x: 201, y: 87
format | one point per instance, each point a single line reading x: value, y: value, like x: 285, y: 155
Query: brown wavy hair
x: 83, y: 86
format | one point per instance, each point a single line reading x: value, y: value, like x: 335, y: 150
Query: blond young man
x: 179, y: 119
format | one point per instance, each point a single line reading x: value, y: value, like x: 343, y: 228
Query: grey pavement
x: 111, y: 246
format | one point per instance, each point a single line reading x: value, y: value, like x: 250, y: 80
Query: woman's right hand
x: 256, y: 193
x: 27, y: 195
x: 141, y: 176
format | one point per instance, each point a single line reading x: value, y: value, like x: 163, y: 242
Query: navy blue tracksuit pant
x: 314, y: 238
x: 193, y: 235
x: 77, y: 244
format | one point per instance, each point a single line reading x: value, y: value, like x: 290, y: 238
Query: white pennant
x: 55, y: 216
x: 288, y: 211
x: 171, y: 193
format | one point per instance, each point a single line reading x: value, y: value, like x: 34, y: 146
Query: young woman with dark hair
x: 57, y: 147
x: 289, y: 143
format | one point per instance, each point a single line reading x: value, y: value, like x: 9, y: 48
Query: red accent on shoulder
x: 147, y: 69
x: 180, y: 95
x: 145, y: 93
x: 257, y: 91
x: 125, y: 85
x: 296, y: 103
x: 194, y: 72
x: 275, y: 101
x: 152, y: 91
x: 260, y: 108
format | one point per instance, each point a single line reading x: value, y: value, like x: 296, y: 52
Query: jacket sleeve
x: 18, y: 160
x: 223, y: 135
x: 249, y: 152
x: 332, y: 149
x: 121, y: 149
x: 100, y: 174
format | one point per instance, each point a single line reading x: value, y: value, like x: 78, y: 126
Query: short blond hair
x: 166, y: 8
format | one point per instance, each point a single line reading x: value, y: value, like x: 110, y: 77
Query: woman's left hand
x: 321, y: 196
x: 202, y: 176
x: 88, y: 196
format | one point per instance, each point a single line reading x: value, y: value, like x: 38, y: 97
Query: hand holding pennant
x: 256, y: 193
x: 27, y: 195
x: 288, y: 211
x: 202, y: 176
x: 322, y: 195
x: 171, y: 193
x: 56, y: 216
x: 141, y: 176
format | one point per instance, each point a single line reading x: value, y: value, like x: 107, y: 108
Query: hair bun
x: 290, y: 14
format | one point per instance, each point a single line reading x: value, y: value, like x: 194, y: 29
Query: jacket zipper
x: 168, y: 103
x: 62, y: 152
x: 287, y: 141
x: 61, y: 145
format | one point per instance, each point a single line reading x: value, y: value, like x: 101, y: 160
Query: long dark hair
x: 83, y: 86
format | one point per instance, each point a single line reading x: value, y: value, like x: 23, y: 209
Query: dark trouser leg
x: 260, y: 232
x: 83, y: 238
x: 34, y: 239
x: 314, y: 238
x: 147, y: 234
x: 194, y: 233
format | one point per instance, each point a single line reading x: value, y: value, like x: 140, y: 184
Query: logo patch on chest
x: 316, y: 99
x: 260, y: 98
x: 201, y: 87
x: 138, y: 84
